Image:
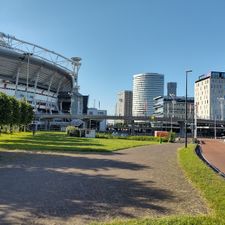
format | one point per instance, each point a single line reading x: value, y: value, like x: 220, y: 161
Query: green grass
x: 211, y: 185
x: 212, y: 189
x: 59, y: 141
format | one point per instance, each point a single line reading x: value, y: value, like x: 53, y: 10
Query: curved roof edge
x: 147, y: 74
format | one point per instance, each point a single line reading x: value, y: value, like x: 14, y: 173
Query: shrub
x: 135, y: 138
x: 171, y: 137
x: 71, y: 130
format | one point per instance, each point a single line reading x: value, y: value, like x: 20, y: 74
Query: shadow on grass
x: 60, y: 142
x: 61, y: 186
x: 51, y: 141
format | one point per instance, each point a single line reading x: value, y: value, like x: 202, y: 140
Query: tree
x: 26, y: 113
x: 15, y: 114
x: 5, y: 109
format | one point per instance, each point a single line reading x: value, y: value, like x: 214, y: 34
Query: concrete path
x: 214, y: 152
x: 66, y: 188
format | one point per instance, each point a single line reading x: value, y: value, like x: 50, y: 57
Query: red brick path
x: 214, y: 152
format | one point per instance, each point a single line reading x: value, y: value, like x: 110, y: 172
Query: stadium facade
x: 45, y: 79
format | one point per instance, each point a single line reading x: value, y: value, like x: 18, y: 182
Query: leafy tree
x: 26, y: 113
x: 5, y: 109
x: 30, y: 114
x: 15, y: 114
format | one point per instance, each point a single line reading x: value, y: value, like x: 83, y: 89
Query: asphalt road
x: 214, y: 152
x: 61, y: 188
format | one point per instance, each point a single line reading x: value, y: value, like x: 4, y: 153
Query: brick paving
x: 66, y: 188
x: 214, y: 152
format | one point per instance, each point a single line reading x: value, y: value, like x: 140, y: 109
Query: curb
x: 198, y: 151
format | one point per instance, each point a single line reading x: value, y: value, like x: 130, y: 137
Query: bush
x: 105, y: 135
x: 135, y: 138
x: 172, y: 136
x: 71, y: 130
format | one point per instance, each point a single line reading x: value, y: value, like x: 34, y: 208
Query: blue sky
x: 119, y: 38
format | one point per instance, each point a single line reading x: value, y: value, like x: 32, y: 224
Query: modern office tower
x: 146, y: 87
x: 210, y: 96
x: 124, y: 103
x: 167, y: 107
x: 172, y: 88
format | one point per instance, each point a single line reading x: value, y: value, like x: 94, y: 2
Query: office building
x: 146, y: 87
x: 172, y: 88
x: 168, y: 107
x: 209, y: 96
x: 124, y: 103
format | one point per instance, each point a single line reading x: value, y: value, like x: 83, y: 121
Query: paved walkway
x: 60, y: 188
x: 214, y: 152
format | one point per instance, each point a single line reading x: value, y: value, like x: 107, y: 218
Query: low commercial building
x: 168, y: 107
x: 99, y: 125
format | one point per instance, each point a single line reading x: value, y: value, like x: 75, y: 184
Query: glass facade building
x: 146, y: 87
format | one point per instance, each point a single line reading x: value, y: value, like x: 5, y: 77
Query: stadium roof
x: 49, y: 69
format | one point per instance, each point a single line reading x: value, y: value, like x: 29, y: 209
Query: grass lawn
x: 211, y: 186
x: 59, y: 141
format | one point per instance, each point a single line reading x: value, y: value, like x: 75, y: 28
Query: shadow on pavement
x: 32, y: 183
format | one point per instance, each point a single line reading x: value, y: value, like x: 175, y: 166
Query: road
x: 214, y: 152
x: 67, y: 188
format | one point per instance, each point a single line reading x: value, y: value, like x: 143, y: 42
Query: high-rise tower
x: 172, y: 88
x: 146, y: 86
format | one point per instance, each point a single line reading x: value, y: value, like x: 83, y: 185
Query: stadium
x: 44, y: 78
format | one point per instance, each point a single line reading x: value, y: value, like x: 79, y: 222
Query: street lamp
x: 188, y: 71
x: 172, y: 114
x: 195, y: 123
x: 75, y: 98
x: 215, y: 126
x: 221, y: 101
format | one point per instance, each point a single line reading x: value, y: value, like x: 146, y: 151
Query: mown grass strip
x: 59, y: 141
x: 211, y: 185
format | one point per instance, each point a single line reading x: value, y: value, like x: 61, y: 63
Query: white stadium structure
x: 47, y: 80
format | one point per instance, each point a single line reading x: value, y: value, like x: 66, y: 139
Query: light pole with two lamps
x: 188, y: 71
x: 172, y: 114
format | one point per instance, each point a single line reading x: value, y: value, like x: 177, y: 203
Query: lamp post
x: 172, y: 114
x: 195, y: 123
x: 221, y: 101
x: 75, y: 106
x: 215, y: 127
x: 188, y: 71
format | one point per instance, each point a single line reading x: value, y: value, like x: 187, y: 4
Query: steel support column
x: 17, y: 79
x: 35, y: 87
x: 49, y: 87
